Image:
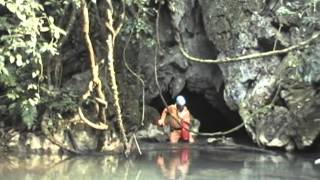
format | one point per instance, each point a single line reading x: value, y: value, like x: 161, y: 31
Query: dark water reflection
x: 164, y: 161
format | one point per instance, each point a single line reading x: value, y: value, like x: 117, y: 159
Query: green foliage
x: 27, y: 36
x: 64, y: 101
x: 307, y: 11
x: 141, y: 26
x: 29, y: 112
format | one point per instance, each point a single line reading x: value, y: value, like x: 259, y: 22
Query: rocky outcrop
x: 276, y: 96
x: 27, y: 143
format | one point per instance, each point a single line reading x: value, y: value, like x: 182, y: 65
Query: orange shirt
x: 172, y: 111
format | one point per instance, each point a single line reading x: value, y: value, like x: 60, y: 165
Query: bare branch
x: 137, y: 144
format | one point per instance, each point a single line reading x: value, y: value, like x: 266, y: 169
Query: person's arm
x: 161, y: 121
x: 160, y: 162
x: 187, y: 117
x: 188, y: 120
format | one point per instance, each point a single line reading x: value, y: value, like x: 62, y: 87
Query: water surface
x: 165, y: 161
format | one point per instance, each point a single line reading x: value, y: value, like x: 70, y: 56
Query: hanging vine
x: 95, y: 84
x: 111, y: 37
x: 300, y: 45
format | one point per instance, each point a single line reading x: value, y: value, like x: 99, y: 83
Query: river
x: 164, y: 161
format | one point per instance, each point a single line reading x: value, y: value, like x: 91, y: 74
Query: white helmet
x: 180, y: 100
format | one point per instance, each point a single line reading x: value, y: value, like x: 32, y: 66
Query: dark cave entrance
x: 211, y: 119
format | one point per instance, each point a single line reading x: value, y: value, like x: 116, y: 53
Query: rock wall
x: 276, y: 96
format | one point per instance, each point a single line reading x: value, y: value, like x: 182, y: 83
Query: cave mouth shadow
x: 211, y: 118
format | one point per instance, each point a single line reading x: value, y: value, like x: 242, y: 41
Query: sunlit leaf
x: 51, y: 19
x: 32, y: 87
x: 22, y: 17
x: 11, y: 59
x: 19, y: 57
x: 44, y: 29
x: 12, y: 7
x: 2, y: 59
x: 12, y: 96
x: 19, y: 62
x: 4, y: 71
x: 33, y: 101
x: 35, y: 73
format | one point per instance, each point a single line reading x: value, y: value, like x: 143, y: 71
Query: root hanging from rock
x: 113, y: 32
x: 300, y: 45
x: 136, y: 76
x: 95, y: 84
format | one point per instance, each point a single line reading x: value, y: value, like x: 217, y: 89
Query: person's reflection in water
x: 176, y: 165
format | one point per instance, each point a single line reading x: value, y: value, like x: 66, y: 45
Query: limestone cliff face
x: 277, y: 97
x: 273, y: 95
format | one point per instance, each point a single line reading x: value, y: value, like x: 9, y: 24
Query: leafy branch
x: 27, y: 36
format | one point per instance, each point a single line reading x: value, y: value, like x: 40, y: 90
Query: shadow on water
x: 165, y: 161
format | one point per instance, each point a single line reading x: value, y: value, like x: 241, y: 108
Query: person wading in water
x: 178, y: 117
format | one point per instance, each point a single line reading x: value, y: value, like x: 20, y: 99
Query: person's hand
x: 191, y: 139
x: 161, y: 122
